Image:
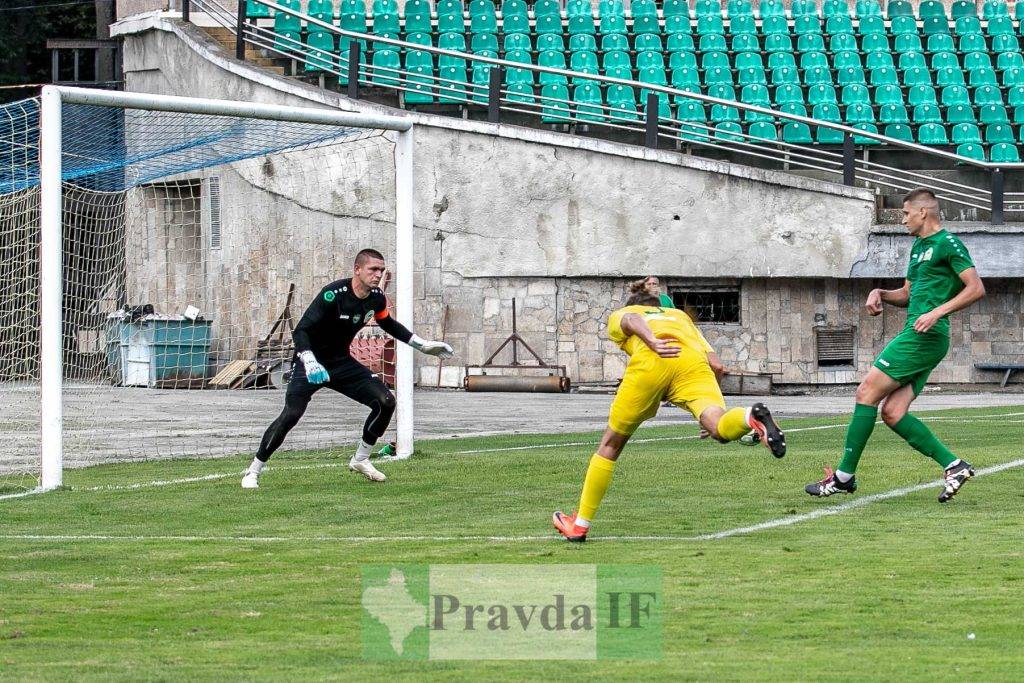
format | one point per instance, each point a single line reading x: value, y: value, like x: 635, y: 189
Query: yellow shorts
x: 686, y: 381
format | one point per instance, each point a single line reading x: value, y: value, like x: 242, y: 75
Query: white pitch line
x: 225, y: 475
x: 715, y: 536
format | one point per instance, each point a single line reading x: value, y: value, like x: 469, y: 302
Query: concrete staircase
x: 253, y: 55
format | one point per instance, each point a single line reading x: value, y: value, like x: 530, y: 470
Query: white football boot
x: 364, y: 468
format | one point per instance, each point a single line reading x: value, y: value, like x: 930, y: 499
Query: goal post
x: 53, y: 176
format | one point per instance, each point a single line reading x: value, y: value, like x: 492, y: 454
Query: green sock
x: 914, y: 432
x: 857, y: 434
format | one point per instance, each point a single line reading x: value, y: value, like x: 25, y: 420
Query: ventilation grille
x: 835, y: 346
x: 214, y: 186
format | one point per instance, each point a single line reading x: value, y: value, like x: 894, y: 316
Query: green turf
x: 887, y: 590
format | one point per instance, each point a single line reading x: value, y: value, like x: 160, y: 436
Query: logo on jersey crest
x: 366, y: 318
x: 925, y: 255
x: 329, y: 296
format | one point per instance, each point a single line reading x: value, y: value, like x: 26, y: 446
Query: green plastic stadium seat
x: 804, y: 8
x: 675, y: 8
x: 449, y: 23
x: 1015, y: 96
x: 755, y: 94
x: 964, y: 8
x: 678, y: 60
x: 553, y: 59
x: 932, y: 134
x: 796, y: 133
x: 955, y: 94
x: 900, y: 131
x: 729, y: 131
x: 584, y: 63
x: 588, y: 102
x: 862, y: 140
x: 945, y: 60
x: 508, y: 7
x: 623, y: 72
x: 320, y: 54
x: 977, y: 60
x: 751, y: 76
x: 893, y: 113
x: 447, y: 6
x: 971, y: 151
x: 877, y: 60
x: 387, y: 24
x: 677, y: 24
x: 968, y: 25
x: 484, y: 41
x: 842, y: 60
x: 994, y: 9
x: 1005, y: 153
x: 1012, y: 77
x: 721, y: 112
x: 612, y: 25
x: 710, y: 24
x: 678, y: 42
x: 888, y: 94
x: 771, y: 8
x: 614, y: 42
x: 983, y: 77
x: 421, y: 84
x: 831, y: 9
x: 787, y: 93
x: 385, y: 7
x: 993, y: 113
x: 1005, y: 43
x: 951, y: 76
x: 856, y: 93
x: 874, y: 42
x: 421, y: 39
x: 1000, y: 26
x: 516, y: 23
x: 647, y: 41
x: 386, y: 65
x: 941, y: 42
x: 547, y: 8
x: 776, y: 25
x: 927, y: 113
x: 722, y: 91
x: 826, y: 112
x: 822, y: 93
x: 828, y: 136
x: 256, y: 10
x: 809, y: 42
x: 868, y: 8
x: 778, y: 43
x: 452, y: 81
x: 899, y: 8
x: 712, y: 42
x: 745, y: 43
x: 916, y: 76
x: 691, y: 111
x: 884, y: 76
x: 869, y: 26
x: 965, y: 133
x: 582, y: 24
x: 960, y: 113
x: 810, y: 60
x: 794, y: 108
x: 417, y: 58
x: 934, y: 25
x: 763, y: 131
x: 921, y: 94
x: 516, y: 41
x: 548, y: 23
x: 987, y: 94
x: 621, y: 103
x: 576, y: 8
x: 708, y: 8
x: 903, y: 25
x: 840, y: 25
x: 912, y: 60
x: 712, y: 60
x: 748, y: 60
x: 742, y: 26
x: 718, y: 75
x: 1009, y: 60
x: 615, y: 59
x: 777, y: 60
x: 850, y: 75
x: 808, y: 24
x: 739, y: 8
x: 972, y: 43
x: 648, y: 59
x: 785, y: 75
x: 554, y: 108
x: 452, y: 41
x: 583, y: 42
x: 322, y: 10
x: 817, y: 75
x: 907, y: 42
x: 931, y: 8
x: 686, y: 79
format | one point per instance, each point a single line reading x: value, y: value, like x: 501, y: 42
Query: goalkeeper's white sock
x: 363, y: 450
x: 256, y: 466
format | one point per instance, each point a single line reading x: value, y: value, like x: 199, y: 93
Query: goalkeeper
x: 322, y: 359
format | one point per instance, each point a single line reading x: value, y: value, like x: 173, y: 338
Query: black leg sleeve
x: 382, y: 407
x: 294, y: 407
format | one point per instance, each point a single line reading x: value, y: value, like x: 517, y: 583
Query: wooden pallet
x: 232, y: 374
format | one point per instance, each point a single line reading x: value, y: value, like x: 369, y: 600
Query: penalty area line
x: 714, y: 536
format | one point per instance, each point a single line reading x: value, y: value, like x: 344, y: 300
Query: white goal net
x: 192, y: 234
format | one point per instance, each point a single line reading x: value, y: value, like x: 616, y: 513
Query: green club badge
x: 329, y: 296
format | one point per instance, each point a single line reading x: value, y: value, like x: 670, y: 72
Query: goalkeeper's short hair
x: 643, y: 299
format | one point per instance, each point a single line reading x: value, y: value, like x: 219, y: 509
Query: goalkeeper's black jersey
x: 331, y: 322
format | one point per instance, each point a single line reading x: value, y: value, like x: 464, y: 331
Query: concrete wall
x: 558, y: 222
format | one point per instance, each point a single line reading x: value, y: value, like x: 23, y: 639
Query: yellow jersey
x: 665, y: 323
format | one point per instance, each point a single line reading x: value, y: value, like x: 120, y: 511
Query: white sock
x: 585, y: 523
x: 362, y: 450
x: 256, y: 466
x: 843, y: 476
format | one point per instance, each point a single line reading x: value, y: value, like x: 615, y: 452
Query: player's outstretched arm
x: 633, y: 324
x: 315, y: 373
x: 402, y: 334
x: 894, y: 297
x: 974, y: 289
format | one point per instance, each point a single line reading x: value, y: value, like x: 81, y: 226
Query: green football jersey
x: 934, y: 274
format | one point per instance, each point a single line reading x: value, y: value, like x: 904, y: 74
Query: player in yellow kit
x: 669, y: 359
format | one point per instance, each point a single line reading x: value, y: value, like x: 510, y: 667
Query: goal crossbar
x: 51, y: 196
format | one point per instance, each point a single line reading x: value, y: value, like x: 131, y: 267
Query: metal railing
x: 847, y: 165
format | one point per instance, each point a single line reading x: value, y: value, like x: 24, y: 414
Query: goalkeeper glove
x: 315, y: 372
x: 431, y: 348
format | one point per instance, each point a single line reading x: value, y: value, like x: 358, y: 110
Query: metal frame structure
x: 51, y: 197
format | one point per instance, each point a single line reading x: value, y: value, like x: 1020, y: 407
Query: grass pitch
x: 201, y: 580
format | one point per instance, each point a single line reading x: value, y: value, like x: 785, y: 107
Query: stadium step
x: 253, y: 55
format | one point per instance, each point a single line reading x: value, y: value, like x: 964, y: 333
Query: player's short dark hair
x: 921, y: 193
x: 643, y: 299
x: 365, y: 254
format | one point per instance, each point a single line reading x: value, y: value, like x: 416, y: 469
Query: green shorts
x: 910, y: 357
